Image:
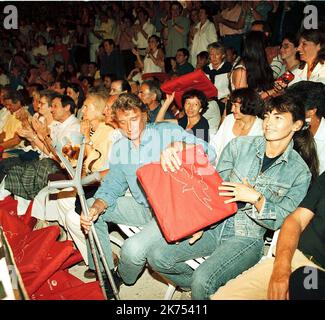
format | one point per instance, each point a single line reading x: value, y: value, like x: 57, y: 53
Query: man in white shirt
x: 205, y: 33
x: 143, y: 30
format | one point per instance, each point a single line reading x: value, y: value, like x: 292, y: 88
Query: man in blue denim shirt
x: 141, y: 143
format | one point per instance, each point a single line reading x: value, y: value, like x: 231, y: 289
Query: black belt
x: 312, y: 259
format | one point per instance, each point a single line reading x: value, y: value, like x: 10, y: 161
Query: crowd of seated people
x: 98, y: 71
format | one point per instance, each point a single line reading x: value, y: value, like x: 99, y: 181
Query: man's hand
x: 279, y: 284
x: 86, y: 222
x: 169, y: 160
x: 195, y: 237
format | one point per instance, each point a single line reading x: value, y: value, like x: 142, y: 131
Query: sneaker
x: 108, y: 288
x: 91, y: 274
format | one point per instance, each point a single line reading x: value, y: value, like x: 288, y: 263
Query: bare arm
x: 159, y: 61
x: 287, y: 243
x: 239, y: 78
x: 237, y: 25
x: 161, y: 114
x: 10, y: 143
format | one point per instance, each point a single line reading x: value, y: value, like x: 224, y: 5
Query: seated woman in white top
x: 289, y: 53
x: 247, y: 107
x: 312, y: 50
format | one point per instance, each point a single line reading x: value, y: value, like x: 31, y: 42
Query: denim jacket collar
x: 261, y: 146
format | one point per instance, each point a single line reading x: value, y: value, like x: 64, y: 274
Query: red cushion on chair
x: 11, y: 224
x: 86, y: 291
x: 193, y: 80
x: 57, y: 255
x: 161, y: 76
x: 59, y: 281
x: 188, y: 200
x: 30, y: 249
x: 75, y: 258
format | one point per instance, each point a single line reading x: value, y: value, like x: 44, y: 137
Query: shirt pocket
x: 275, y: 192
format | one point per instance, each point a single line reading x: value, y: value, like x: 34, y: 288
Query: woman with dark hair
x: 246, y: 108
x: 258, y: 175
x: 253, y: 70
x: 194, y: 103
x: 75, y: 91
x: 58, y: 71
x: 154, y: 58
x: 312, y: 51
x: 289, y: 53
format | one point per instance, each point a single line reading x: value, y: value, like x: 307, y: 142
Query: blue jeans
x: 230, y: 255
x: 127, y: 211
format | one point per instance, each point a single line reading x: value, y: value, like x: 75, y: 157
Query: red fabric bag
x: 85, y: 291
x: 187, y: 200
x: 59, y: 281
x: 193, y: 80
x: 30, y: 249
x: 58, y: 253
x: 161, y: 76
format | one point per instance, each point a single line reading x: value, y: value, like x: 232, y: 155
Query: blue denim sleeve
x: 114, y: 184
x: 226, y: 161
x: 273, y: 214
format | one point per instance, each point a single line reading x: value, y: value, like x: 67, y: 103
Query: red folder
x: 187, y: 200
x: 193, y: 80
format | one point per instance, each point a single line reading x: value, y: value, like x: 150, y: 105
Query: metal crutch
x: 77, y: 183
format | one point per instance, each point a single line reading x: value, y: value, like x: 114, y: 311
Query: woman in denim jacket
x: 269, y: 176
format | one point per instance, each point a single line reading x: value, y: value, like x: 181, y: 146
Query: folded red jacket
x: 187, y: 200
x: 193, y: 80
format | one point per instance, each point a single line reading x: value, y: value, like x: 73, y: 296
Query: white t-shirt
x: 225, y: 133
x: 318, y: 74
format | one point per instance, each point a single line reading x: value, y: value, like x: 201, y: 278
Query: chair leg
x: 170, y: 292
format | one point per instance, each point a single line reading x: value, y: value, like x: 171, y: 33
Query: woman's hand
x: 239, y: 191
x: 85, y: 128
x: 169, y: 99
x: 22, y: 115
x: 27, y: 133
x: 135, y: 52
x: 41, y: 130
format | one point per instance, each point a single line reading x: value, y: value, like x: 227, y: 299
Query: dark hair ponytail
x: 303, y: 139
x: 305, y: 145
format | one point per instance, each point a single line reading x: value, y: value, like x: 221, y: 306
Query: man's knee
x: 133, y: 250
x: 159, y: 260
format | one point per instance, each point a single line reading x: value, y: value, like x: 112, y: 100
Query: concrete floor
x: 148, y: 286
